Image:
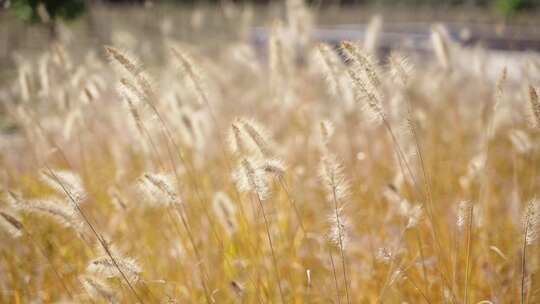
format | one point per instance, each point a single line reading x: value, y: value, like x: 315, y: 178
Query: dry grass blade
x: 11, y: 224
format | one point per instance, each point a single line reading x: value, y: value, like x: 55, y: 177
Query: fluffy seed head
x: 258, y: 135
x: 361, y: 62
x: 158, y: 189
x: 274, y: 166
x: 532, y: 221
x: 464, y: 213
x: 366, y: 82
x: 109, y: 268
x: 339, y: 229
x: 125, y: 61
x: 65, y: 183
x: 250, y: 177
x: 60, y: 212
x: 333, y: 179
x: 134, y: 70
x: 400, y: 68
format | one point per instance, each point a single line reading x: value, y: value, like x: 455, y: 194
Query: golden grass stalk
x: 145, y: 89
x: 60, y: 182
x: 535, y: 106
x: 251, y: 179
x: 248, y: 133
x: 367, y: 83
x: 15, y: 227
x: 147, y: 93
x: 465, y: 217
x: 197, y: 79
x: 337, y: 188
x: 530, y: 235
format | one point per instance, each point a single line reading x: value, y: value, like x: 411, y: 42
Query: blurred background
x: 507, y: 29
x: 28, y: 26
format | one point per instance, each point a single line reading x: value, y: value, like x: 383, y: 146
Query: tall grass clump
x: 291, y: 171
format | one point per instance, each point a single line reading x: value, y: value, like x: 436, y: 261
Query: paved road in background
x: 415, y: 36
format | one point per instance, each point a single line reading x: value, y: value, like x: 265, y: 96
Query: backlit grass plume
x: 366, y: 82
x: 107, y: 267
x: 250, y: 177
x: 337, y: 191
x: 65, y: 183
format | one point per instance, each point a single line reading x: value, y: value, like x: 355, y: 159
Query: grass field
x: 204, y: 173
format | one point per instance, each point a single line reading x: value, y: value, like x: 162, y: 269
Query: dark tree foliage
x: 56, y: 9
x: 509, y: 7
